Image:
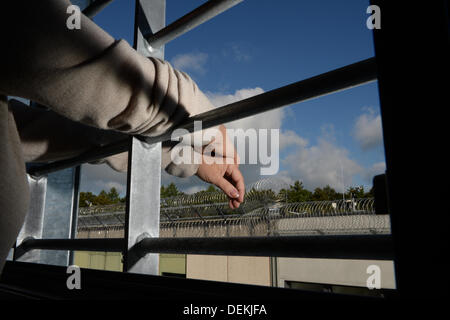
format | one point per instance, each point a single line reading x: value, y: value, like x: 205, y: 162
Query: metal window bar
x: 351, y: 247
x: 95, y: 7
x: 188, y: 22
x: 377, y: 247
x: 347, y: 77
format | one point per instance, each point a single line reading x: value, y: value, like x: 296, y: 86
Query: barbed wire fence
x: 263, y: 213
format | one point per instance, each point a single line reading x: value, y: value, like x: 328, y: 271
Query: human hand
x: 227, y: 177
x: 224, y: 174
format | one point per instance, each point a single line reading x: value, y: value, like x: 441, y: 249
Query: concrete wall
x: 332, y: 271
x: 111, y: 261
x: 172, y: 263
x: 248, y: 270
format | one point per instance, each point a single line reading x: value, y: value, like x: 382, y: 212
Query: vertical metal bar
x: 150, y: 18
x: 76, y: 199
x: 10, y: 256
x: 273, y: 271
x: 144, y: 161
x: 34, y: 221
x: 60, y: 205
x: 142, y: 218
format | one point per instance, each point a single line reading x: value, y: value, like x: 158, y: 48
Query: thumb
x: 227, y: 187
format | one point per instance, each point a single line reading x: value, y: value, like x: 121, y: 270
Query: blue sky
x: 261, y: 45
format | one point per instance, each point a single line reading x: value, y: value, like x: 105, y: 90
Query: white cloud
x: 291, y: 138
x: 375, y: 169
x: 187, y: 185
x: 193, y: 189
x: 367, y: 130
x: 268, y: 120
x: 238, y: 54
x: 190, y: 62
x: 322, y: 164
x: 221, y: 99
x: 95, y: 178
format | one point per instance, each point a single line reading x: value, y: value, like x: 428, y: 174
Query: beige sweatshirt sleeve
x: 88, y: 77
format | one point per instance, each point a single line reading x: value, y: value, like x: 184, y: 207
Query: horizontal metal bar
x: 333, y: 81
x: 93, y: 9
x: 330, y: 82
x: 107, y: 244
x: 91, y: 155
x: 378, y: 247
x: 188, y: 22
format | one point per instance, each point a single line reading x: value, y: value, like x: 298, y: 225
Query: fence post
x: 52, y: 215
x: 144, y: 161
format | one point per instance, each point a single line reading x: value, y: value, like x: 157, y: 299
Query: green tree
x: 325, y: 194
x: 211, y: 189
x: 370, y: 194
x: 86, y: 199
x: 113, y: 195
x: 102, y: 199
x: 355, y: 192
x: 170, y: 191
x: 296, y: 193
